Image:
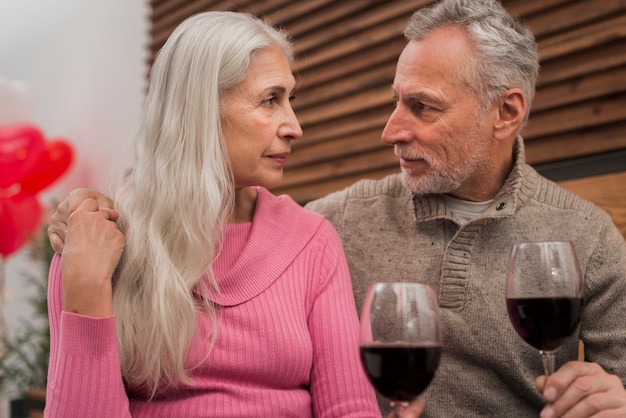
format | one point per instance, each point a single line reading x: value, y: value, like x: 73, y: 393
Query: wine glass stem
x: 548, y: 360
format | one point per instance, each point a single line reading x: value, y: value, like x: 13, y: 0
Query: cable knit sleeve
x: 84, y: 377
x: 338, y: 384
x: 603, y: 329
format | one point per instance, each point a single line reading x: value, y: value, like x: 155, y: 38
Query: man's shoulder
x: 555, y: 195
x: 551, y: 195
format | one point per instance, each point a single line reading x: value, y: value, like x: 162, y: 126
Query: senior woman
x: 202, y: 294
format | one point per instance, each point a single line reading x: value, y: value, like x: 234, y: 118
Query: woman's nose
x: 290, y: 129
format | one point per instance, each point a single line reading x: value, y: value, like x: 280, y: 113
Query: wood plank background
x: 346, y: 54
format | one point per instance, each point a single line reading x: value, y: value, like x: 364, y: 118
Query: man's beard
x: 442, y: 178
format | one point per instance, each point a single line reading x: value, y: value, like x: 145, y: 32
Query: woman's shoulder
x: 285, y: 207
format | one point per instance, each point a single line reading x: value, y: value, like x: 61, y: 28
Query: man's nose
x: 398, y: 128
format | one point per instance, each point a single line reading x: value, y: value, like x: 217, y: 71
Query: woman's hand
x: 582, y: 389
x: 93, y: 247
x: 414, y: 410
x: 58, y: 224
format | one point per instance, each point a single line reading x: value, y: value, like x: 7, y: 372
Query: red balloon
x: 20, y: 148
x: 19, y: 217
x: 52, y: 163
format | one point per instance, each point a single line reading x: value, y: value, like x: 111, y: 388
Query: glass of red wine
x: 400, y: 339
x: 544, y: 296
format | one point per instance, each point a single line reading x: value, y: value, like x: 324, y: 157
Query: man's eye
x: 420, y: 107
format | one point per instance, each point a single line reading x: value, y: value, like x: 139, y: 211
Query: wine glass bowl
x: 544, y: 295
x: 400, y: 342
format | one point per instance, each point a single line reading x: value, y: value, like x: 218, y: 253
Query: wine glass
x: 544, y: 295
x: 400, y: 340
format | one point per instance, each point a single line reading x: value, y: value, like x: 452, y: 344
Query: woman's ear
x: 511, y: 113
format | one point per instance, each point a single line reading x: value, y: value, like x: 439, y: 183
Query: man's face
x: 443, y: 142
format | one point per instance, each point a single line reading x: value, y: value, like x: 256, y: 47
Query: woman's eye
x: 270, y: 101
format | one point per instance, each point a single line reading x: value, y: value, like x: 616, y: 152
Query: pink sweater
x: 287, y: 342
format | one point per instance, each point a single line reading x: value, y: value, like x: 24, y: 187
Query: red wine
x: 400, y: 372
x: 545, y: 323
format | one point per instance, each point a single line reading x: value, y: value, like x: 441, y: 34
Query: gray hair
x: 505, y: 51
x: 176, y: 201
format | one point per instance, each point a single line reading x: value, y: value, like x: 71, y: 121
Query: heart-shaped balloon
x: 19, y: 217
x: 20, y: 147
x: 52, y: 163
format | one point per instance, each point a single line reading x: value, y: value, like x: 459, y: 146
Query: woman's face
x: 258, y: 121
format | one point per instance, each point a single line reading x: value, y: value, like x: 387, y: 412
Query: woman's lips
x: 280, y: 159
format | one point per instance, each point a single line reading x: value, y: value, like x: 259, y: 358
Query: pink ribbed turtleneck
x: 287, y: 343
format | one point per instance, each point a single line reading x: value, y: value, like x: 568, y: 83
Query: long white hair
x: 177, y: 198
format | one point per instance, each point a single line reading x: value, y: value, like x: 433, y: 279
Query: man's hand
x: 582, y: 389
x: 58, y: 225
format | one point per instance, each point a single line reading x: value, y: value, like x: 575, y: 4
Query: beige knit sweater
x: 486, y: 369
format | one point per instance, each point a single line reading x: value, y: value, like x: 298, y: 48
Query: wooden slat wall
x: 346, y: 54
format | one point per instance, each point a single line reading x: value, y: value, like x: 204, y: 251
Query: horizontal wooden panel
x: 573, y: 14
x: 373, y: 76
x: 577, y: 116
x: 324, y: 151
x: 374, y: 20
x: 296, y: 10
x: 582, y: 38
x: 581, y: 89
x: 605, y: 138
x: 161, y: 10
x: 610, y: 55
x: 342, y: 167
x: 526, y: 9
x: 334, y: 49
x: 169, y: 14
x: 319, y: 19
x: 354, y: 103
x: 346, y: 66
x: 375, y: 118
x: 163, y: 26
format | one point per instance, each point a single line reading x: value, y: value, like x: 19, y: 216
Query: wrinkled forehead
x: 269, y: 70
x: 433, y: 64
x: 270, y: 63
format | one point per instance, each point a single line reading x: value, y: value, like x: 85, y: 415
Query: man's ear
x: 511, y: 113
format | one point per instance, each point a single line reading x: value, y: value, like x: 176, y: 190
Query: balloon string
x: 3, y: 325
